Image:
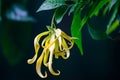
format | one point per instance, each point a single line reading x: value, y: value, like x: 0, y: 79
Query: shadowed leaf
x: 60, y: 12
x: 96, y: 33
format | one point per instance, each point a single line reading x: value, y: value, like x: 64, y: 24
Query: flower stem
x: 52, y: 21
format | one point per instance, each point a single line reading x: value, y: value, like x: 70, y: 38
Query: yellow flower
x: 55, y: 44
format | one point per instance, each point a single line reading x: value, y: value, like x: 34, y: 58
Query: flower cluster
x: 55, y: 44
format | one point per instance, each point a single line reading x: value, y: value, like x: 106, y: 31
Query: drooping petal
x: 58, y: 33
x: 60, y: 53
x: 56, y: 43
x: 47, y: 52
x: 45, y: 42
x: 56, y: 49
x: 60, y: 43
x: 66, y: 36
x: 38, y: 66
x: 46, y: 57
x: 65, y: 47
x: 69, y: 39
x: 37, y: 46
x: 51, y: 49
x: 50, y: 65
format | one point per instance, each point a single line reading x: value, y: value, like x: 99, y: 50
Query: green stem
x: 52, y: 21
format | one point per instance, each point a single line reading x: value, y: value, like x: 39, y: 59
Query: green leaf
x: 112, y: 3
x: 113, y: 27
x: 113, y: 16
x: 72, y: 8
x: 96, y: 33
x: 60, y: 12
x: 113, y: 12
x: 106, y: 8
x: 51, y: 4
x: 76, y: 30
x: 93, y: 11
x: 96, y: 7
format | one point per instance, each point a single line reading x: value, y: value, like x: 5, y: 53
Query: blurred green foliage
x: 16, y: 30
x: 15, y: 40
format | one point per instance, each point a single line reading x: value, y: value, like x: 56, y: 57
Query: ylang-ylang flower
x: 55, y: 44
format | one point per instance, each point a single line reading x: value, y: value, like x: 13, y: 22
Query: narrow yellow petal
x: 66, y: 36
x: 56, y: 49
x: 45, y: 61
x: 69, y: 39
x: 38, y: 66
x: 51, y: 49
x: 65, y: 46
x: 50, y: 65
x: 56, y: 43
x: 36, y: 46
x: 60, y: 53
x: 58, y: 34
x: 45, y: 41
x: 51, y: 43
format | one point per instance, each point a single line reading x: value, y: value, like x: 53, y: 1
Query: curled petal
x: 45, y: 61
x: 45, y: 42
x: 51, y: 49
x: 30, y: 61
x: 37, y: 46
x: 38, y: 66
x: 55, y: 44
x: 62, y: 54
x: 50, y: 65
x: 52, y: 71
x: 51, y: 43
x: 66, y: 36
x: 58, y: 53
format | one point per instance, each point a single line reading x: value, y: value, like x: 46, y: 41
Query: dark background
x: 101, y: 59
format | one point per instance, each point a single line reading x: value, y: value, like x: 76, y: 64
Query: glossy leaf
x: 51, y: 4
x: 60, y: 12
x: 76, y: 30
